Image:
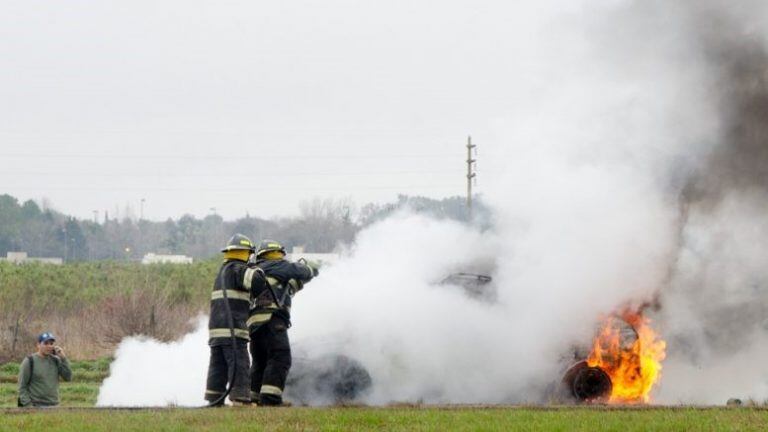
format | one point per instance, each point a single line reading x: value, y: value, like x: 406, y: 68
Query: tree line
x: 321, y: 226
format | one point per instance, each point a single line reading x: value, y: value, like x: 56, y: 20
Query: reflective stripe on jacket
x: 238, y: 279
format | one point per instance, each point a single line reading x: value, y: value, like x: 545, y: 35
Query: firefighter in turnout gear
x: 230, y: 301
x: 270, y: 319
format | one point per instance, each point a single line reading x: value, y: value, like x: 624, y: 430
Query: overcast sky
x: 249, y: 106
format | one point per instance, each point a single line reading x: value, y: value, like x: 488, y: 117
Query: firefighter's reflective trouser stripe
x: 271, y: 353
x: 259, y: 318
x: 221, y: 361
x: 263, y: 315
x: 231, y: 294
x: 271, y: 390
x: 225, y: 333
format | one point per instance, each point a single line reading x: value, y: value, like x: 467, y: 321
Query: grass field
x: 81, y: 393
x: 391, y: 419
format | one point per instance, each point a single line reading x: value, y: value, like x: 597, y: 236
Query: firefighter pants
x: 271, y: 353
x: 221, y: 364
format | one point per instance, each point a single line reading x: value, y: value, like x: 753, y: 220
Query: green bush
x: 45, y: 286
x: 100, y: 365
x: 9, y: 369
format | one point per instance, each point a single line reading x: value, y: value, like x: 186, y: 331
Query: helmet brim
x: 232, y: 248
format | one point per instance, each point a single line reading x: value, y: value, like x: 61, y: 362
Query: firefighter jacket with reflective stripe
x: 285, y: 279
x: 239, y: 280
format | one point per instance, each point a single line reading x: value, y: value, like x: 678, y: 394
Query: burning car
x: 621, y: 364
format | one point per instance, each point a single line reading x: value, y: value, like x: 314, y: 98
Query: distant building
x: 152, y: 258
x: 324, y: 259
x: 21, y: 257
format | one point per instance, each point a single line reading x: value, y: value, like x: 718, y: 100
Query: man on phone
x: 40, y: 372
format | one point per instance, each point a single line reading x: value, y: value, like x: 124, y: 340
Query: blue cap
x: 46, y: 337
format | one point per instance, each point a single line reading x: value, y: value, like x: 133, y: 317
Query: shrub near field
x: 91, y: 306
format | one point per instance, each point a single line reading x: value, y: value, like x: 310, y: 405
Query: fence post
x: 152, y: 321
x: 15, y: 335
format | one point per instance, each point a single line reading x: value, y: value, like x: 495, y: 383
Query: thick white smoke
x: 613, y: 120
x: 151, y: 373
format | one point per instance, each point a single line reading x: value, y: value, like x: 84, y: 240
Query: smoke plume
x: 151, y: 373
x: 716, y: 304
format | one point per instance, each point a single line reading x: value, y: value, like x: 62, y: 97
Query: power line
x: 208, y: 157
x: 249, y: 175
x: 192, y: 188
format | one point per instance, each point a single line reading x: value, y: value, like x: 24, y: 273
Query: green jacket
x: 43, y: 388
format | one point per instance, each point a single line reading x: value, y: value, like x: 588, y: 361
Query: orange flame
x: 631, y: 358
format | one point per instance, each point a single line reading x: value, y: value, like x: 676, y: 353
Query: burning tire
x: 587, y: 384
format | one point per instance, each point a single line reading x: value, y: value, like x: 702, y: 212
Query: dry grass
x: 92, y: 306
x: 94, y: 331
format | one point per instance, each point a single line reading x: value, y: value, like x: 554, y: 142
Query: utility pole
x: 470, y: 176
x: 96, y: 216
x: 66, y: 243
x: 141, y: 211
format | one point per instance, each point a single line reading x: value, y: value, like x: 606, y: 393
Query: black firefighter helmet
x: 269, y: 246
x: 239, y: 242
